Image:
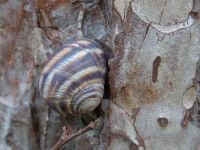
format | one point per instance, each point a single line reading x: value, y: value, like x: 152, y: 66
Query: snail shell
x: 72, y: 82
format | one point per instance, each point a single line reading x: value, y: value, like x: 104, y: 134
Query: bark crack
x: 16, y: 30
x: 162, y: 12
x: 147, y: 30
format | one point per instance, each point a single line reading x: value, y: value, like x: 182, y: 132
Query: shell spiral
x: 72, y: 82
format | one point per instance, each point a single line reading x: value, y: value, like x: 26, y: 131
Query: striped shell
x: 72, y: 82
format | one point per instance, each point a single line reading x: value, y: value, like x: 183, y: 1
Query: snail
x: 72, y: 82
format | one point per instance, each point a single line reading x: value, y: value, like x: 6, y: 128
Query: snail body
x: 72, y: 82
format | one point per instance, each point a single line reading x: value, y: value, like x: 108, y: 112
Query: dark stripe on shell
x: 76, y: 100
x: 92, y: 46
x: 58, y: 51
x: 63, y: 75
x: 80, y: 64
x: 86, y: 78
x: 77, y: 106
x: 42, y: 83
x: 62, y: 105
x: 65, y: 57
x: 86, y: 90
x: 73, y: 68
x: 60, y: 77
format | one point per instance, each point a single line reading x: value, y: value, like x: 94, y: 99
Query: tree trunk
x: 154, y: 74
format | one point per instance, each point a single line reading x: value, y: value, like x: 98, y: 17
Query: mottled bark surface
x: 154, y: 75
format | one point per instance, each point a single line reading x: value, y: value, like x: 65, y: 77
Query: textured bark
x: 154, y: 75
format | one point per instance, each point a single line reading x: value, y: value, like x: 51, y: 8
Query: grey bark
x: 154, y: 75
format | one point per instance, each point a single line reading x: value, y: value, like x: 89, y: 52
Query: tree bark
x: 154, y: 74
